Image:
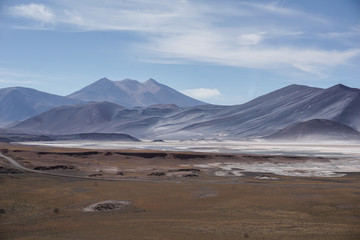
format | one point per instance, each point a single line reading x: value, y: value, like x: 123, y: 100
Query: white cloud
x: 214, y: 48
x: 73, y: 17
x: 250, y: 39
x: 242, y: 35
x: 202, y: 93
x: 34, y: 11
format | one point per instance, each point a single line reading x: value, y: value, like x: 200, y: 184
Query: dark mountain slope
x: 273, y: 111
x: 80, y: 118
x: 316, y: 130
x: 79, y: 136
x: 108, y: 117
x: 18, y: 103
x: 351, y: 112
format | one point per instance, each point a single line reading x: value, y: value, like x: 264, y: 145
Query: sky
x: 222, y: 52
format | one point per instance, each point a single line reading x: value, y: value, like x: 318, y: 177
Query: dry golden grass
x: 49, y: 207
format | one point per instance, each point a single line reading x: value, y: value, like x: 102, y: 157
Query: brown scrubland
x: 161, y: 195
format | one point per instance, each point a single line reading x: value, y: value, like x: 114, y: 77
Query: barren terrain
x: 152, y: 194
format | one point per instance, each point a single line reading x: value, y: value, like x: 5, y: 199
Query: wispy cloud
x: 12, y: 81
x: 38, y: 12
x: 211, y: 48
x: 202, y: 93
x: 90, y: 15
x: 247, y: 34
x: 352, y: 32
x: 275, y: 8
x: 5, y: 72
x: 13, y: 77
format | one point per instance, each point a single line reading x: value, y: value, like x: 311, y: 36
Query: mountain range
x: 131, y: 93
x: 19, y: 103
x: 262, y: 117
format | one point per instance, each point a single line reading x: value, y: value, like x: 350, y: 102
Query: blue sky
x: 222, y: 52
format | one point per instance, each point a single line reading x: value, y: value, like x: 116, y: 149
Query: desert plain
x: 154, y: 194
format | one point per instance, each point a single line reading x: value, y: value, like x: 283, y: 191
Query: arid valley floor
x: 170, y: 195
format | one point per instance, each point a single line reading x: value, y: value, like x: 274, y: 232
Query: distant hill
x: 316, y: 130
x: 292, y: 104
x: 131, y: 93
x: 79, y: 118
x: 18, y: 103
x: 79, y: 136
x: 260, y: 117
x: 97, y: 137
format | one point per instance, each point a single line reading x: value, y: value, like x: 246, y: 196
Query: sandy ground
x: 173, y: 195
